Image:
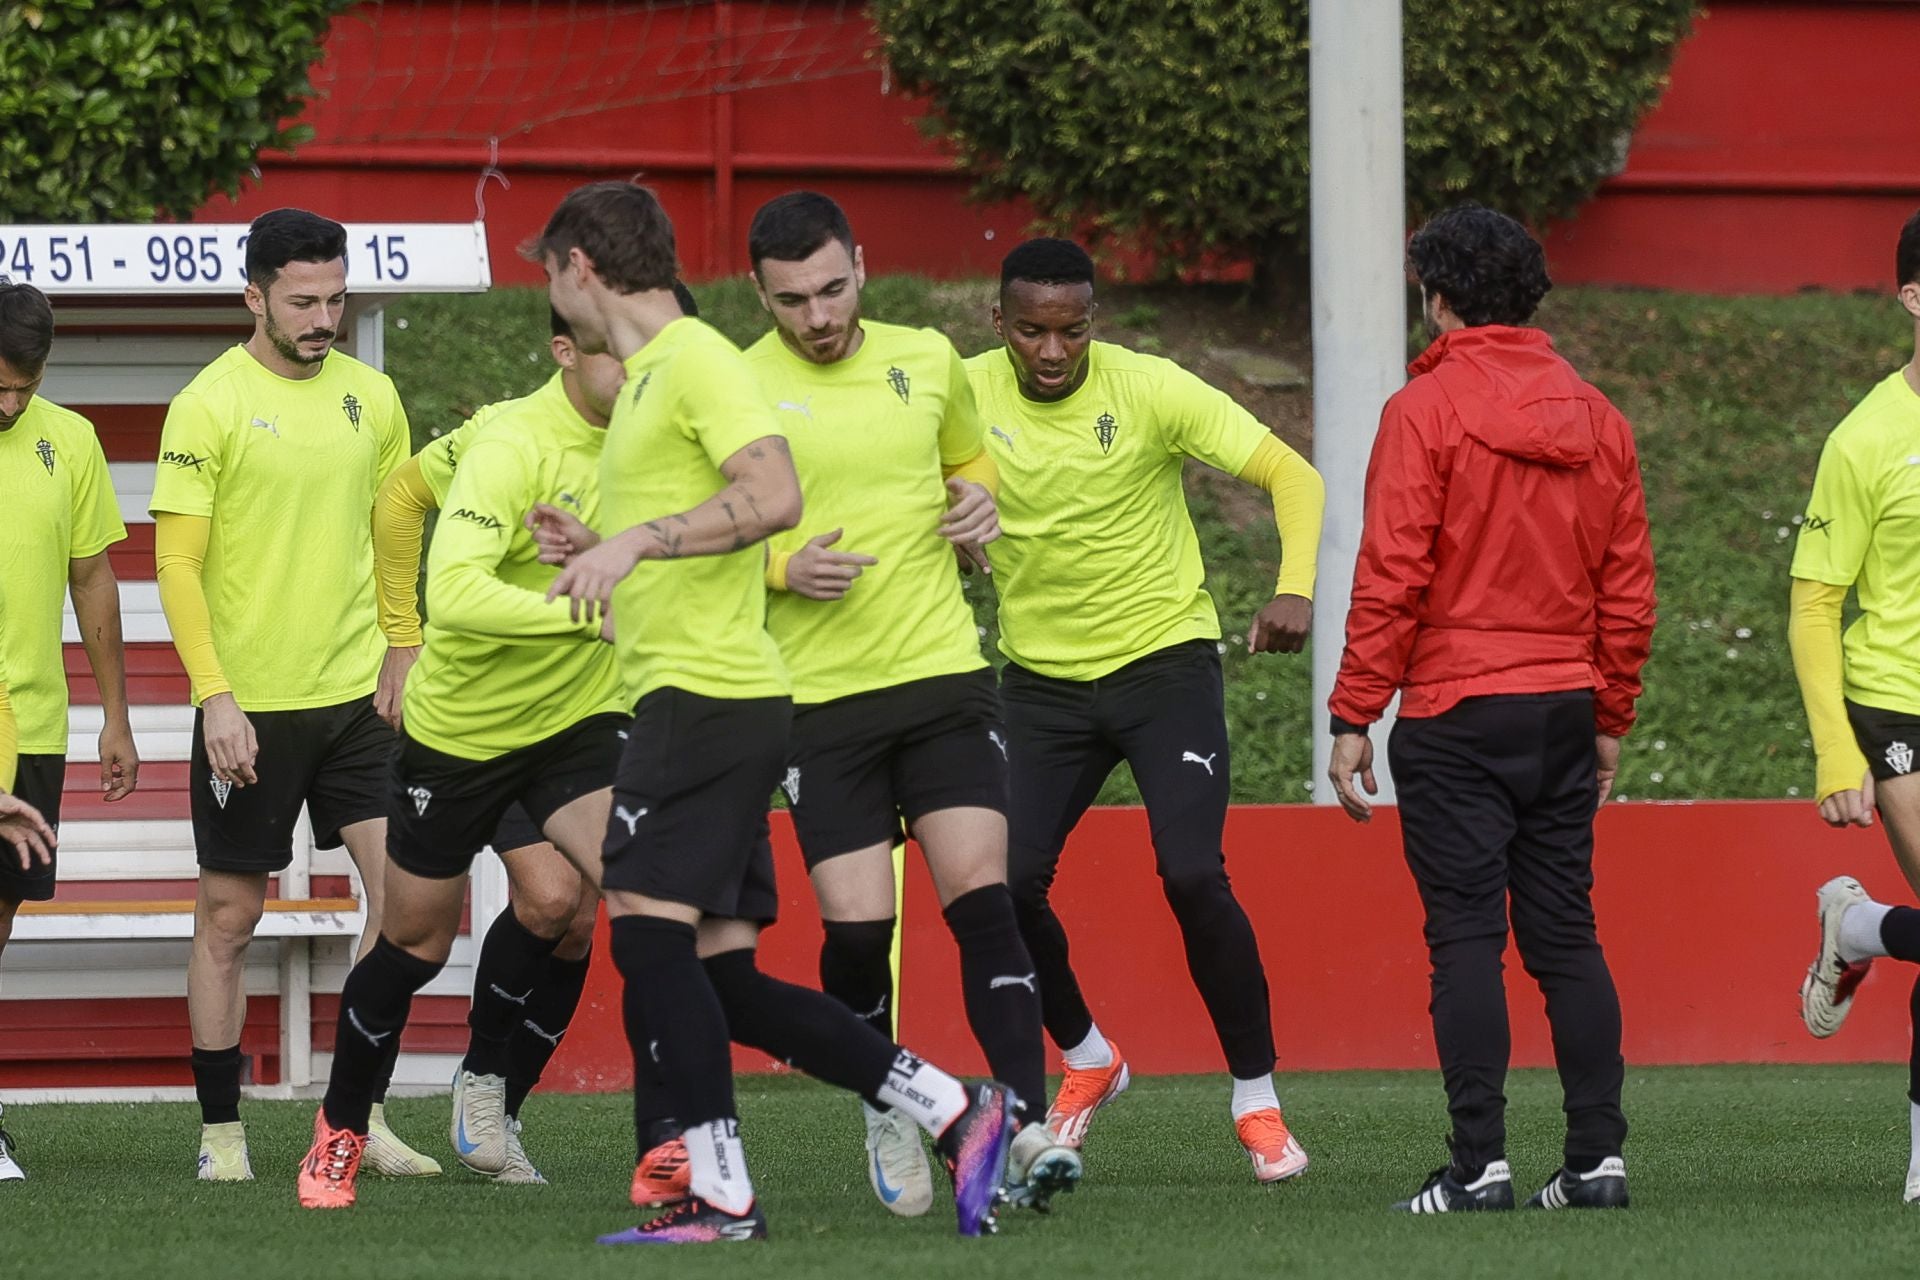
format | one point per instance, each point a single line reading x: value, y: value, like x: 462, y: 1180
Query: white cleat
x: 897, y: 1163
x: 1912, y: 1194
x: 1826, y: 994
x: 223, y: 1153
x: 479, y: 1129
x: 10, y: 1170
x: 1040, y: 1168
x: 388, y: 1156
x: 518, y: 1168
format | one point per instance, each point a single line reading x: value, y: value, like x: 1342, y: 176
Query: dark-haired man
x: 61, y: 518
x: 1505, y: 590
x: 1112, y: 646
x: 1862, y: 691
x: 269, y: 462
x: 695, y: 476
x: 894, y: 468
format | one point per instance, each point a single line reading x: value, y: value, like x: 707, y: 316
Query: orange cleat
x: 1083, y: 1092
x: 662, y: 1176
x: 328, y: 1172
x: 1276, y: 1154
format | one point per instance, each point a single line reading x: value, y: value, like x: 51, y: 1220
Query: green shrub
x: 124, y: 110
x: 1180, y: 126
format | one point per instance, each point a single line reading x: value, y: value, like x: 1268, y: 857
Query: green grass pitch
x: 1736, y: 1171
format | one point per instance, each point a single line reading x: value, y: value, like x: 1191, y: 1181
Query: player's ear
x: 255, y: 298
x: 859, y: 266
x: 1909, y: 296
x: 760, y: 292
x: 999, y: 329
x: 565, y: 354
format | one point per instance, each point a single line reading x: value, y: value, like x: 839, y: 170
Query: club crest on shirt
x: 45, y: 450
x: 901, y: 384
x: 1104, y: 429
x: 350, y: 404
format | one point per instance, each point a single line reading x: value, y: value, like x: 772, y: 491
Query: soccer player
x: 61, y: 516
x: 1112, y: 653
x: 535, y: 955
x: 894, y: 473
x: 696, y: 475
x: 269, y: 462
x: 514, y: 702
x: 1505, y: 589
x: 1862, y: 692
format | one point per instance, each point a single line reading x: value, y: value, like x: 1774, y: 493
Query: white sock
x: 1254, y: 1095
x: 1913, y: 1128
x: 717, y: 1166
x: 923, y: 1093
x: 1860, y: 931
x: 1090, y: 1054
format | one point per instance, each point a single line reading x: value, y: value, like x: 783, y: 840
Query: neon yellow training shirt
x: 502, y: 668
x: 1098, y: 564
x: 690, y: 402
x: 870, y: 435
x: 1862, y: 529
x: 286, y: 471
x: 59, y: 508
x: 440, y: 458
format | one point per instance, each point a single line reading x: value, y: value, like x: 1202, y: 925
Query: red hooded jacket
x: 1505, y: 546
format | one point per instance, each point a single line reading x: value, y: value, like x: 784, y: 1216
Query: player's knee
x: 546, y: 910
x: 578, y: 939
x: 735, y: 978
x: 1194, y: 881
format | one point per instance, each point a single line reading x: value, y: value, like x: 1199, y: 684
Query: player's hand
x: 393, y: 681
x: 818, y: 573
x: 231, y: 746
x: 119, y: 760
x: 22, y: 826
x: 971, y: 521
x: 591, y: 575
x: 1850, y: 808
x: 1353, y: 755
x: 606, y: 626
x: 560, y: 535
x: 1282, y: 627
x: 1607, y: 748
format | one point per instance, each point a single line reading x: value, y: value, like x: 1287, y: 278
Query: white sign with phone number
x: 210, y: 258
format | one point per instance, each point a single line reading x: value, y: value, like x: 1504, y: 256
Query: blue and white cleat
x: 479, y: 1127
x: 897, y: 1163
x: 976, y: 1146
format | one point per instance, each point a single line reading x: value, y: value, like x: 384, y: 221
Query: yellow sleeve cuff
x: 1813, y: 634
x: 980, y: 469
x: 777, y: 569
x: 179, y: 559
x: 399, y: 528
x: 1299, y: 504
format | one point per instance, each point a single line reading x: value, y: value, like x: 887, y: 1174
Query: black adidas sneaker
x: 1604, y: 1188
x: 1446, y: 1193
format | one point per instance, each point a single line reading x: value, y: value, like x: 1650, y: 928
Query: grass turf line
x: 1736, y: 1171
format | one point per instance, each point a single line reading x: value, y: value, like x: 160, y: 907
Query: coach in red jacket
x: 1505, y: 590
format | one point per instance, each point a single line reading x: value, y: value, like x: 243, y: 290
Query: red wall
x: 1706, y: 911
x: 1781, y: 156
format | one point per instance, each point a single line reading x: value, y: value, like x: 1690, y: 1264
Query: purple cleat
x: 694, y: 1221
x: 975, y: 1147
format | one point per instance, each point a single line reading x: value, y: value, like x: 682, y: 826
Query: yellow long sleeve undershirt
x: 1299, y: 504
x: 399, y: 531
x: 9, y: 740
x: 1819, y: 665
x: 179, y: 560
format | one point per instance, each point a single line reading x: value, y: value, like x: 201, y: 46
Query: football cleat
x: 897, y: 1163
x: 479, y: 1128
x: 518, y: 1167
x: 223, y: 1153
x: 389, y: 1157
x: 1039, y: 1168
x: 694, y: 1221
x: 1444, y: 1192
x: 1276, y: 1154
x: 328, y: 1173
x: 10, y: 1170
x: 975, y: 1147
x: 662, y: 1176
x: 1912, y: 1193
x: 1083, y: 1092
x: 1826, y: 994
x: 1604, y: 1188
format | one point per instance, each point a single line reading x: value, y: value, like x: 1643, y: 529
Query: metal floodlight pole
x: 1359, y: 300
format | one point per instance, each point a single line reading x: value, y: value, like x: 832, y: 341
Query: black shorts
x: 861, y: 766
x: 443, y: 810
x: 689, y: 820
x: 516, y: 830
x: 332, y: 759
x: 39, y: 781
x: 1890, y: 740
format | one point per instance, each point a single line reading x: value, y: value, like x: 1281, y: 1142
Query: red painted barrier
x: 1706, y: 911
x: 1780, y: 157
